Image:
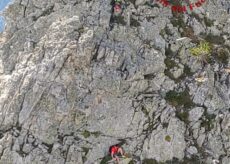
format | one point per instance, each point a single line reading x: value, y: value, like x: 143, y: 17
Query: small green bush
x: 179, y: 99
x: 167, y: 138
x: 204, y: 48
x: 222, y: 55
x: 86, y: 134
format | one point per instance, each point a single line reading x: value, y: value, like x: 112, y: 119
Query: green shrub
x: 106, y: 159
x: 179, y: 99
x: 183, y: 115
x: 149, y: 161
x: 222, y: 55
x: 86, y: 134
x: 167, y: 138
x: 204, y: 48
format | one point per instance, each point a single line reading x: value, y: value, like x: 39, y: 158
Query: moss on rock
x: 208, y: 121
x: 222, y: 55
x: 106, y: 159
x: 179, y: 99
x: 86, y: 133
x: 168, y: 138
x: 149, y: 161
x: 214, y: 39
x: 183, y: 116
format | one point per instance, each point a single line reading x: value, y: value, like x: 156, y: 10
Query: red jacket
x: 114, y: 150
x: 117, y: 8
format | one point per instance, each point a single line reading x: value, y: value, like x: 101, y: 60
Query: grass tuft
x: 204, y: 48
x: 167, y: 138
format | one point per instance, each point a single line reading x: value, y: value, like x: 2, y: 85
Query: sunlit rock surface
x: 75, y: 79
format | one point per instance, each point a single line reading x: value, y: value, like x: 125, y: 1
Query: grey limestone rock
x: 195, y: 113
x: 76, y: 79
x: 192, y: 150
x: 166, y: 144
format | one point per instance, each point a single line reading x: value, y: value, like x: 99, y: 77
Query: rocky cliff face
x: 74, y: 80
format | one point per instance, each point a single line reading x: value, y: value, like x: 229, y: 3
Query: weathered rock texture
x: 74, y: 80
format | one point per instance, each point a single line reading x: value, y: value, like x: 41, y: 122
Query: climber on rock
x: 114, y: 151
x: 117, y: 6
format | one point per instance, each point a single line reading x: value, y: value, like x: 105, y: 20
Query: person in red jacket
x: 117, y: 8
x: 114, y: 151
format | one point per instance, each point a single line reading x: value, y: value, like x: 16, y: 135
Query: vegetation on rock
x: 204, y: 48
x: 167, y: 138
x: 179, y: 99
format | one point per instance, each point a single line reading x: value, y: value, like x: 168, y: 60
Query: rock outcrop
x: 75, y: 79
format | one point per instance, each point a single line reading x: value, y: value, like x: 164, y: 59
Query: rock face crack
x: 46, y: 12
